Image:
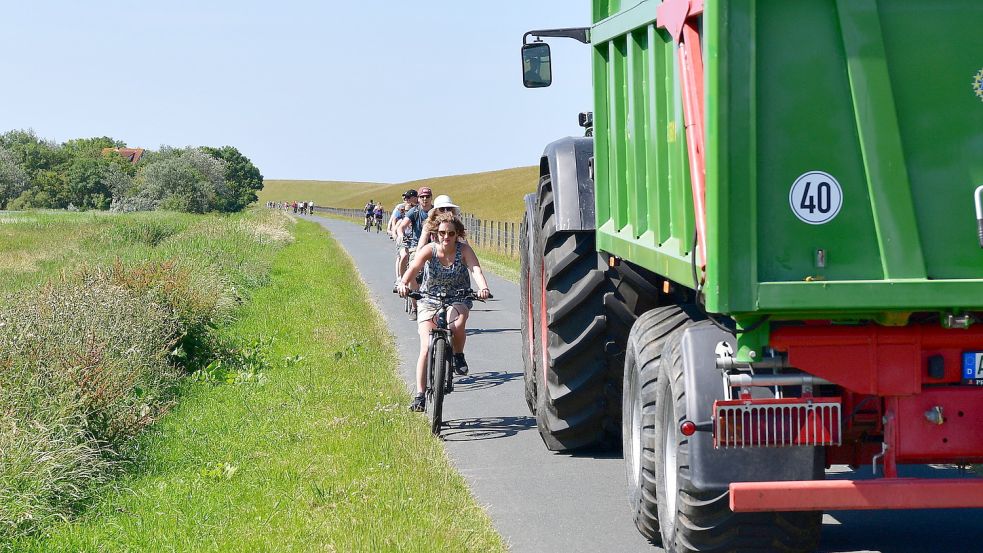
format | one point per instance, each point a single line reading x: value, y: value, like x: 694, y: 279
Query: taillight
x: 776, y: 422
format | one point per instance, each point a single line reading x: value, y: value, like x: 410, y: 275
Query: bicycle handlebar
x: 458, y: 295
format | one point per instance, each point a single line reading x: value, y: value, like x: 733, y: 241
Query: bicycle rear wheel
x: 435, y: 386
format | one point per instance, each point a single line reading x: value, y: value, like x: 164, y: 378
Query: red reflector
x: 688, y: 428
x: 776, y: 422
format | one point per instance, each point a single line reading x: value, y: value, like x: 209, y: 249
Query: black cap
x: 409, y: 194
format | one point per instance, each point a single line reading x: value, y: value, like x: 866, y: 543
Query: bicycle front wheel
x: 437, y: 374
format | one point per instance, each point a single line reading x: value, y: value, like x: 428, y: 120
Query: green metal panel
x: 876, y: 94
x: 643, y: 194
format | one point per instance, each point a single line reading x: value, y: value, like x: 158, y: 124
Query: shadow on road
x: 903, y: 531
x: 485, y: 428
x: 485, y: 380
x: 474, y: 331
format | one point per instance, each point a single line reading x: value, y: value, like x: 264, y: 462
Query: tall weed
x: 84, y: 369
x: 93, y: 356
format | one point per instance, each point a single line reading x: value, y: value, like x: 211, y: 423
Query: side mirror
x: 536, y: 70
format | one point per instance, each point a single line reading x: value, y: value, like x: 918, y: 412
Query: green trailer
x: 766, y: 258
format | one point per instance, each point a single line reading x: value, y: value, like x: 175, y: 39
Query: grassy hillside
x: 495, y: 195
x: 321, y: 192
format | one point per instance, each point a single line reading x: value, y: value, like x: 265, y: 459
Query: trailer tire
x: 633, y: 294
x: 573, y: 387
x: 527, y: 319
x: 692, y: 520
x: 646, y: 343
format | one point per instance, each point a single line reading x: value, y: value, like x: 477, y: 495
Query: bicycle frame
x: 435, y: 387
x: 442, y: 330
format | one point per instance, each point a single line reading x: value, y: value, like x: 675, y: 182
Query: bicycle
x: 378, y: 224
x: 440, y: 368
x: 368, y: 223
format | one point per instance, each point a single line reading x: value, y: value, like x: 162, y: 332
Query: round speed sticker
x: 815, y: 197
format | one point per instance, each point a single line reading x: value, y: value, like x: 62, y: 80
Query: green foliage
x: 241, y: 176
x: 32, y: 153
x: 48, y: 189
x: 90, y: 147
x: 36, y: 173
x: 13, y: 179
x: 86, y: 183
x: 239, y: 364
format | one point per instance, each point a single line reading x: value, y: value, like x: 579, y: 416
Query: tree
x: 192, y: 181
x: 87, y: 185
x: 48, y: 189
x: 13, y: 179
x: 90, y: 147
x: 241, y: 176
x: 32, y: 153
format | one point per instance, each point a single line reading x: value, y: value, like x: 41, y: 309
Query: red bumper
x: 838, y: 495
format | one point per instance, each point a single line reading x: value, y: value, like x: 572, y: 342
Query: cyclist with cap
x: 401, y: 237
x: 412, y: 226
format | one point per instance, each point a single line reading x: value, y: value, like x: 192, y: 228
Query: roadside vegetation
x: 492, y: 195
x: 101, y: 316
x: 301, y: 442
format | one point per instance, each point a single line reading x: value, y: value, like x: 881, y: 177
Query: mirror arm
x: 577, y: 33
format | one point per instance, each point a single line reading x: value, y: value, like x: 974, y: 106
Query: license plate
x: 973, y: 368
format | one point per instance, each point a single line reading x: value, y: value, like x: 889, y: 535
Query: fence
x: 496, y: 236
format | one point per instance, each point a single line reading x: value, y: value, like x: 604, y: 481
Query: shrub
x: 89, y: 360
x: 192, y: 181
x: 84, y: 368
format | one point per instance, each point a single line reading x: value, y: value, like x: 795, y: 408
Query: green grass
x: 100, y: 316
x: 499, y: 263
x: 316, y: 454
x: 493, y: 195
x: 38, y: 246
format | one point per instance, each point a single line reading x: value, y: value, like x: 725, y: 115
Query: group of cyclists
x: 374, y: 213
x: 434, y: 258
x: 304, y: 208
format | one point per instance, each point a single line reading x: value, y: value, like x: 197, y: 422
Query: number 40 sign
x: 816, y: 197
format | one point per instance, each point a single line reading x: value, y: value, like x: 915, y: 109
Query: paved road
x: 544, y: 502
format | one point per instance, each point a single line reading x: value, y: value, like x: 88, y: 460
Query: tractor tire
x: 646, y: 343
x: 572, y: 387
x: 527, y: 318
x: 633, y: 293
x: 690, y: 519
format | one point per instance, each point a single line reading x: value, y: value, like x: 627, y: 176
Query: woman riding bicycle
x: 446, y: 266
x: 441, y: 204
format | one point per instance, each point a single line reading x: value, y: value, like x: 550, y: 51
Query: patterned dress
x: 438, y: 279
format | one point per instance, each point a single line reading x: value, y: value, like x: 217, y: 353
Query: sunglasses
x: 446, y: 233
x: 423, y: 196
x: 445, y: 209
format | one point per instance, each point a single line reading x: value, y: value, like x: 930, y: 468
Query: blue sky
x: 369, y: 90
